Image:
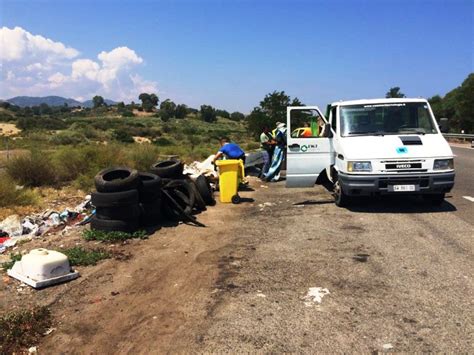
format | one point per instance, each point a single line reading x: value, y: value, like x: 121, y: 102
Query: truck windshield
x: 391, y: 118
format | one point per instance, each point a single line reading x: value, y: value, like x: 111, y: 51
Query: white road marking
x: 469, y: 198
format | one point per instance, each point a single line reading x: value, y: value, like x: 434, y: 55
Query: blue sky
x: 231, y: 53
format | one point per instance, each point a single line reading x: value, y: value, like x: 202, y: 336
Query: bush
x: 208, y: 113
x: 122, y: 135
x: 68, y: 138
x: 142, y: 156
x: 162, y: 141
x: 11, y: 196
x: 27, y: 123
x: 34, y: 169
x: 79, y: 256
x: 69, y: 163
x: 252, y: 146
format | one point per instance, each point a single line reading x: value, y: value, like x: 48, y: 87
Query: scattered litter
x: 315, y: 295
x: 361, y: 257
x: 387, y: 346
x: 42, y: 267
x: 261, y: 295
x: 12, y: 226
x: 266, y: 204
x: 197, y: 168
x: 49, y: 331
x: 13, y: 229
x: 264, y: 186
x: 32, y: 350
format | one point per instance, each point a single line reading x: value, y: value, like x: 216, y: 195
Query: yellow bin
x: 231, y: 171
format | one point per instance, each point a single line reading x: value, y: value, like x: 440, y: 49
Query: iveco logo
x: 403, y: 166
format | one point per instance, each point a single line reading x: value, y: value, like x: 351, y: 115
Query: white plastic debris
x: 32, y: 350
x: 387, y: 346
x: 12, y: 226
x: 315, y: 295
x: 41, y: 267
x: 201, y: 168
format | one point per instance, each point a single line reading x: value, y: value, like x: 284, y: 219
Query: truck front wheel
x: 340, y: 198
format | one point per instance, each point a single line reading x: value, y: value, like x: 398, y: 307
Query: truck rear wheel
x: 340, y: 198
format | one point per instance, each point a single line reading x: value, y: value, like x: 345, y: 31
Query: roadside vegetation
x: 21, y: 329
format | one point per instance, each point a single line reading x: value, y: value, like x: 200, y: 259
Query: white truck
x: 369, y: 147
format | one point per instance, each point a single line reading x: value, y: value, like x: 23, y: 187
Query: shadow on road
x: 398, y: 204
x: 313, y: 202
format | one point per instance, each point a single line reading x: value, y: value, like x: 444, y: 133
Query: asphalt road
x: 464, y: 183
x: 396, y: 274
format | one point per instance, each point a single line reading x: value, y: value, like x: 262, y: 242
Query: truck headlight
x: 353, y: 166
x: 443, y: 164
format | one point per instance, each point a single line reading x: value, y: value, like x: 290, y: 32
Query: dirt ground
x: 398, y: 273
x: 8, y: 129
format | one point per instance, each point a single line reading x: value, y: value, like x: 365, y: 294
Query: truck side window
x: 305, y: 123
x: 333, y: 118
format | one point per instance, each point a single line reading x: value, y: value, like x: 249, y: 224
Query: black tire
x: 168, y: 169
x: 114, y: 199
x: 151, y: 213
x: 199, y: 203
x: 110, y: 225
x: 150, y: 187
x: 124, y: 213
x: 182, y: 192
x: 116, y: 179
x: 235, y: 199
x: 434, y: 199
x: 340, y: 198
x: 205, y: 190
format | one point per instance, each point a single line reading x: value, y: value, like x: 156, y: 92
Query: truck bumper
x: 356, y: 185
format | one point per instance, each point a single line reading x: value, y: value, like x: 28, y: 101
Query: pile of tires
x: 116, y: 200
x: 127, y: 200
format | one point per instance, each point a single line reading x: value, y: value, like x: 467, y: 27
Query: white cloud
x: 34, y: 65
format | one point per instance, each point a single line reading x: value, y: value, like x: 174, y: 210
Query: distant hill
x: 24, y: 101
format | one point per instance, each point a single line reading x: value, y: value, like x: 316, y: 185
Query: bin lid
x: 228, y: 162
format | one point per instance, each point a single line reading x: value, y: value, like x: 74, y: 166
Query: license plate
x: 403, y: 188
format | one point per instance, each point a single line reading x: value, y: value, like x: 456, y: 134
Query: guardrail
x: 459, y: 136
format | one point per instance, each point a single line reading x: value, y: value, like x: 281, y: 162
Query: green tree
x: 272, y: 109
x: 167, y: 110
x: 208, y: 113
x: 181, y: 111
x: 394, y: 93
x: 237, y: 116
x: 98, y: 101
x: 222, y: 113
x: 149, y: 101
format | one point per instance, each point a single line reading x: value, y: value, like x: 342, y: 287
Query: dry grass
x: 8, y: 129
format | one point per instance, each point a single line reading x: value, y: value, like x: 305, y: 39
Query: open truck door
x: 309, y: 150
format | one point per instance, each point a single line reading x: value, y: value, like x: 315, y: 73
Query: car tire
x: 149, y: 188
x: 111, y: 225
x: 116, y: 179
x: 205, y: 190
x: 168, y: 169
x: 151, y: 213
x: 114, y: 199
x: 124, y: 213
x: 340, y: 198
x: 199, y: 203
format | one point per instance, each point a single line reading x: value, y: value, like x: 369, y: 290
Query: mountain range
x: 24, y: 101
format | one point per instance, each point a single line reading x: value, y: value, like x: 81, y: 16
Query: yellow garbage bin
x: 231, y: 172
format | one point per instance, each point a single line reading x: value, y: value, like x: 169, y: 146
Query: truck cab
x: 369, y: 147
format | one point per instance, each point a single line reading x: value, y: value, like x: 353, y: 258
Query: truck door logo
x: 305, y: 147
x: 402, y: 150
